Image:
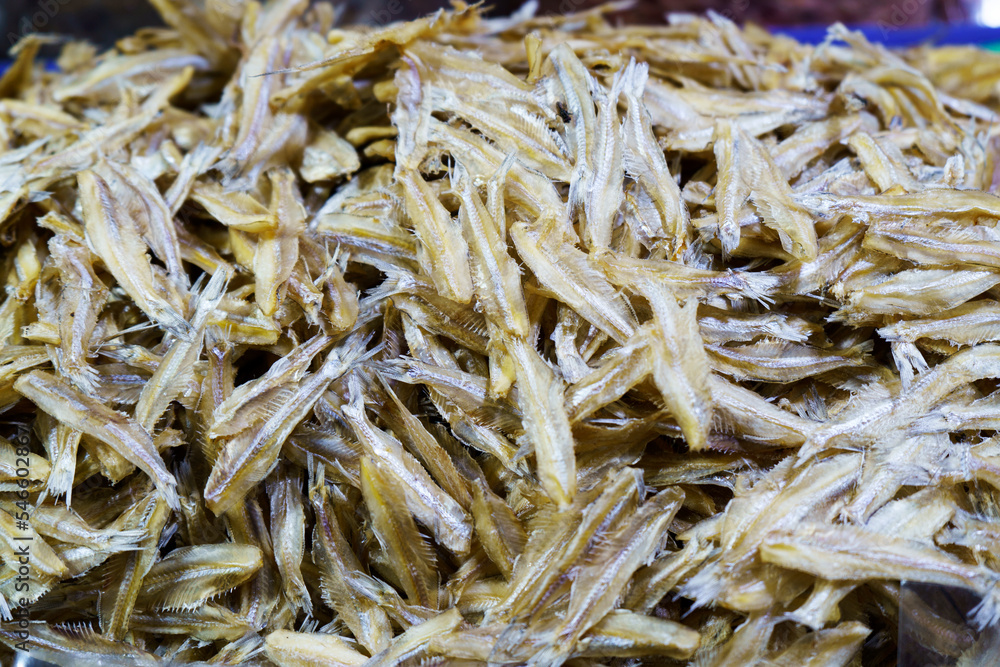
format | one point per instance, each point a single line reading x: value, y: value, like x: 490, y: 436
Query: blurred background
x: 103, y: 21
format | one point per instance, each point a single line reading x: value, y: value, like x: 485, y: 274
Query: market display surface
x: 513, y: 340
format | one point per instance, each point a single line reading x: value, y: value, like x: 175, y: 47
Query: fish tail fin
x: 987, y: 612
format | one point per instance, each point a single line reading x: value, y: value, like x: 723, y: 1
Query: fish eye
x: 563, y: 112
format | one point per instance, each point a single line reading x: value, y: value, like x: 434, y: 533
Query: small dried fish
x: 586, y: 342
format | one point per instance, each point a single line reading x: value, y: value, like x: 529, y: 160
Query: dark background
x: 103, y: 21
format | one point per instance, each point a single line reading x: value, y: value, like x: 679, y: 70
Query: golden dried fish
x: 209, y: 622
x: 645, y: 162
x: 589, y: 341
x: 574, y: 80
x: 342, y: 577
x: 411, y: 557
x: 123, y: 252
x: 434, y: 508
x: 69, y: 644
x: 189, y: 576
x: 288, y: 536
x: 247, y: 457
x: 238, y: 210
x: 916, y: 292
x: 605, y: 182
x: 176, y: 368
x: 79, y: 307
x: 498, y: 282
x: 498, y: 528
x: 971, y: 323
x: 278, y: 249
x: 126, y: 570
x: 935, y: 244
x: 150, y: 213
x: 121, y: 433
x: 781, y: 361
x: 415, y: 640
x: 66, y: 525
x: 858, y: 555
x: 310, y: 649
x: 598, y: 585
x: 622, y: 634
x: 566, y: 271
x: 546, y: 422
x: 680, y: 363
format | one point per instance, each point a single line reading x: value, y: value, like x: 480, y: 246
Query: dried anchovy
x: 495, y: 340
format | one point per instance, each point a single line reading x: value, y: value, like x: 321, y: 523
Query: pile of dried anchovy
x: 520, y: 340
